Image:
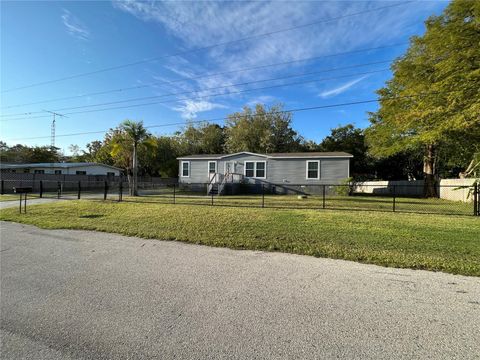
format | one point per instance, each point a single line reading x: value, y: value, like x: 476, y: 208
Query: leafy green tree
x: 26, y: 154
x: 433, y: 100
x: 202, y: 139
x: 125, y: 146
x: 262, y: 130
x: 93, y: 149
x: 348, y: 138
x: 167, y: 151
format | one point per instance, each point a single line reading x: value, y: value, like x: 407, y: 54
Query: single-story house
x: 79, y: 168
x: 282, y: 170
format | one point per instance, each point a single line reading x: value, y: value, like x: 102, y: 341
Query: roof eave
x: 311, y: 157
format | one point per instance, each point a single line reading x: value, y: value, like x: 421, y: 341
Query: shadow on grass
x: 91, y: 216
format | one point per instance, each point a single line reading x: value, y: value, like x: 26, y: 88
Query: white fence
x: 449, y: 189
x: 402, y: 187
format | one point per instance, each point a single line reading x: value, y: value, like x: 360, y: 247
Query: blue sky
x: 42, y: 41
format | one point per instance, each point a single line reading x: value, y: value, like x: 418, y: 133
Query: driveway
x: 15, y: 203
x: 77, y: 294
x: 37, y: 201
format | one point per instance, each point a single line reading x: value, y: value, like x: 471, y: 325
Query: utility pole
x: 52, y: 128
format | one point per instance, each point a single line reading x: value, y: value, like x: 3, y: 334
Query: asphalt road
x: 77, y: 294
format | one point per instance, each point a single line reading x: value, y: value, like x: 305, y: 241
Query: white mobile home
x: 282, y: 169
x: 83, y: 168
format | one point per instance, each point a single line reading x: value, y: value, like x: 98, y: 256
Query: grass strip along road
x: 418, y: 241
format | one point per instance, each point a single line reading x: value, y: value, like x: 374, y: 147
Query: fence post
x: 263, y: 195
x: 475, y: 200
x: 173, y: 193
x: 212, y: 197
x: 105, y: 190
x: 41, y: 188
x: 79, y: 189
x: 120, y: 190
x: 59, y: 189
x: 323, y: 197
x: 394, y: 199
x: 3, y: 187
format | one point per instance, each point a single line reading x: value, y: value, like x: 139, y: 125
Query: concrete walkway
x: 34, y: 201
x: 77, y: 294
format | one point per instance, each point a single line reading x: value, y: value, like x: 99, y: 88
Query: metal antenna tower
x: 52, y: 128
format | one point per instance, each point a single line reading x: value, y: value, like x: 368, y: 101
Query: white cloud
x: 196, y: 25
x: 75, y: 26
x: 189, y: 108
x: 340, y: 89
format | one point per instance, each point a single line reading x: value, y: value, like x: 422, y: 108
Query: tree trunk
x: 430, y: 185
x: 130, y: 183
x: 135, y: 165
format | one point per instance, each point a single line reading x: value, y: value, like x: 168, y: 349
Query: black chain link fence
x: 454, y: 200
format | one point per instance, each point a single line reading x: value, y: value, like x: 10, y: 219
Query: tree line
x: 259, y: 129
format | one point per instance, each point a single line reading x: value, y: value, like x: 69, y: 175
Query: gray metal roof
x: 292, y: 155
x: 311, y: 154
x: 55, y: 165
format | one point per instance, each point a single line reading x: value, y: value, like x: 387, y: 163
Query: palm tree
x: 134, y: 135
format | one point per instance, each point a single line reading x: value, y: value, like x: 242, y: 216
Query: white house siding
x: 278, y: 171
x: 239, y: 162
x: 198, y: 172
x: 92, y: 170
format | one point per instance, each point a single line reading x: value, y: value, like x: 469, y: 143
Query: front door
x: 229, y: 167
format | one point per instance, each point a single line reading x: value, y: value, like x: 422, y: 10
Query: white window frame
x: 208, y: 167
x: 318, y: 170
x: 254, y: 169
x: 181, y: 169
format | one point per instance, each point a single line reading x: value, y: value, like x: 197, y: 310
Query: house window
x: 255, y: 169
x: 39, y: 171
x: 313, y: 169
x: 58, y: 172
x: 80, y: 172
x: 26, y: 171
x: 212, y: 167
x: 185, y: 168
x: 249, y: 169
x: 110, y: 174
x: 260, y: 170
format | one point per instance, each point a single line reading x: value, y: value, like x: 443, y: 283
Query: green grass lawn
x: 381, y: 203
x: 419, y: 241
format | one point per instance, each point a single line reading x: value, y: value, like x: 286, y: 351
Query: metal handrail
x: 227, y: 177
x: 222, y: 184
x: 210, y: 183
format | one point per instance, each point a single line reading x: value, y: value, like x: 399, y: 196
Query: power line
x: 156, y: 83
x: 213, y: 88
x: 205, y: 96
x: 138, y: 62
x: 225, y: 118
